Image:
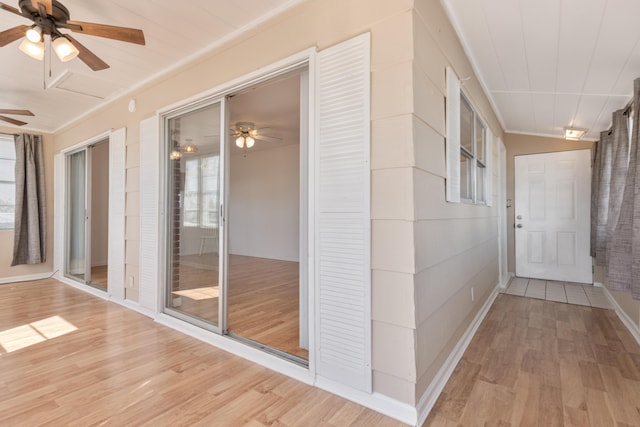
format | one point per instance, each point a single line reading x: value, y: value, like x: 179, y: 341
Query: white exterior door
x: 552, y: 208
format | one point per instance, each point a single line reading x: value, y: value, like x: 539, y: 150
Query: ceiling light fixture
x: 245, y: 132
x: 245, y: 141
x: 574, y: 134
x: 65, y: 50
x: 189, y: 147
x: 34, y: 34
x: 34, y: 50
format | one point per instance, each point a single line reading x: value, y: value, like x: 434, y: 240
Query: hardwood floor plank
x: 101, y: 364
x: 546, y: 364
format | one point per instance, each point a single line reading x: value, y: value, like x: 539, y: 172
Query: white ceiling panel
x: 544, y: 107
x: 484, y: 50
x: 557, y: 63
x: 517, y: 108
x: 508, y: 41
x: 590, y: 106
x: 541, y: 45
x: 565, y: 109
x: 616, y: 44
x: 577, y: 39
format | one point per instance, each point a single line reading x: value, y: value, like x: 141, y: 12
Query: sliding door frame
x: 165, y: 198
x: 304, y: 62
x: 60, y: 207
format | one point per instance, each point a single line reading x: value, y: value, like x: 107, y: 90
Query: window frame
x: 476, y: 161
x: 10, y: 140
x: 202, y: 221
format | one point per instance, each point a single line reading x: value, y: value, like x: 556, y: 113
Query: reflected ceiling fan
x: 14, y: 113
x: 49, y: 17
x: 246, y: 135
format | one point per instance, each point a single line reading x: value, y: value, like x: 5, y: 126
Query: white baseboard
x: 633, y: 327
x: 132, y: 305
x: 428, y: 399
x: 378, y: 402
x: 26, y: 278
x: 82, y: 287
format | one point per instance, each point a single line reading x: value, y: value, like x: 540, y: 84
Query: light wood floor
x: 68, y: 358
x: 541, y: 363
x: 263, y: 302
x: 99, y: 276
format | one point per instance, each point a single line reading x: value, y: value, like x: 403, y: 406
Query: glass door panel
x: 76, y: 216
x: 193, y: 278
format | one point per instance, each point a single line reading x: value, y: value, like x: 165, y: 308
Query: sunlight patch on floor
x: 199, y: 293
x: 33, y: 333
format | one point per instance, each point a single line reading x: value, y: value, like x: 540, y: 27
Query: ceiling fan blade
x: 16, y: 112
x: 10, y: 9
x: 12, y: 34
x: 46, y: 4
x: 12, y: 121
x: 86, y: 56
x: 267, y: 138
x: 130, y: 35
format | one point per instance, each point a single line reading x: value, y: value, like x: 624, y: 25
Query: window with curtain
x: 7, y: 182
x: 200, y: 192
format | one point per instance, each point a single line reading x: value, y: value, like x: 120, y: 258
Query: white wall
x: 99, y: 204
x: 264, y: 203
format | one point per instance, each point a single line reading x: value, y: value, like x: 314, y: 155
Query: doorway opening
x: 87, y: 220
x: 237, y: 222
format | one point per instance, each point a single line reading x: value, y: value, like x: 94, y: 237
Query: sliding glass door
x: 194, y: 238
x: 87, y: 222
x: 236, y: 218
x: 77, y: 216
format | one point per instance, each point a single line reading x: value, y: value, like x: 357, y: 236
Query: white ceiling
x: 175, y: 31
x: 549, y: 64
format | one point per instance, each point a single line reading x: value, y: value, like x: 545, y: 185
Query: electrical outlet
x: 473, y: 296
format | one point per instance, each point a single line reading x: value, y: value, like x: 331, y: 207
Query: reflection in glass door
x: 194, y: 198
x: 76, y: 216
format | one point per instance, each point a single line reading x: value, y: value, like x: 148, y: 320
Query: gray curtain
x: 605, y: 152
x: 620, y: 152
x: 623, y: 269
x: 595, y: 188
x: 29, y: 244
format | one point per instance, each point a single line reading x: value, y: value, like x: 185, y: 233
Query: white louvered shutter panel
x: 489, y: 165
x: 343, y: 264
x: 117, y: 175
x: 149, y: 212
x: 452, y: 128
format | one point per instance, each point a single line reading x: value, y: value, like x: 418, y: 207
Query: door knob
x: 519, y: 217
x: 519, y: 225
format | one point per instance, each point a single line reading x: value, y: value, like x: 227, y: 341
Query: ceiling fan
x: 14, y: 113
x: 246, y: 135
x: 49, y: 17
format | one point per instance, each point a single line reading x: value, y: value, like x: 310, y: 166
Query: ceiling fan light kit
x: 34, y: 50
x: 64, y: 49
x: 34, y: 34
x: 245, y: 141
x: 49, y: 17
